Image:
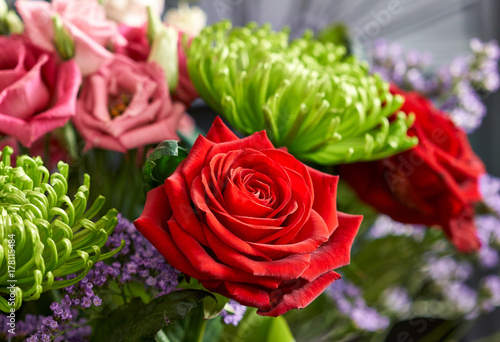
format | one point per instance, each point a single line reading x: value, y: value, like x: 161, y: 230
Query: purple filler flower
x: 490, y: 190
x: 350, y: 303
x: 233, y: 312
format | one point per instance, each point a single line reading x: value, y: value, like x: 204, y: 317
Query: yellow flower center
x: 119, y: 104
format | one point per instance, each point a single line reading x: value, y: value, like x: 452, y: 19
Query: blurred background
x: 442, y: 28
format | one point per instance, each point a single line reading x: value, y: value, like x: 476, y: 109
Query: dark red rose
x: 250, y: 222
x: 435, y: 183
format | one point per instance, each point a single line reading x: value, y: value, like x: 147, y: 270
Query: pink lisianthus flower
x: 126, y: 105
x: 86, y: 22
x: 37, y: 94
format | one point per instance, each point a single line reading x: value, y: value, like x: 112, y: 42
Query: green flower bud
x: 154, y: 25
x: 63, y: 41
x: 14, y: 23
x: 9, y: 20
x: 44, y: 235
x: 322, y: 105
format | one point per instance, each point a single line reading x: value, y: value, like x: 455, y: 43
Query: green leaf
x: 136, y: 321
x: 211, y: 309
x: 192, y: 328
x: 259, y: 328
x: 162, y: 162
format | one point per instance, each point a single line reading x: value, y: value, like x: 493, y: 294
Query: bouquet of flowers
x: 330, y: 198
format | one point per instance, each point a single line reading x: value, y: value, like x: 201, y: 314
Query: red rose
x: 435, y: 183
x: 250, y: 222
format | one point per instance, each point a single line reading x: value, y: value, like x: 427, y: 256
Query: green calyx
x: 323, y: 106
x: 44, y: 235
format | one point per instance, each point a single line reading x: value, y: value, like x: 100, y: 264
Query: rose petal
x: 201, y: 260
x: 336, y: 251
x: 232, y: 240
x: 256, y: 141
x: 301, y: 297
x: 290, y: 267
x: 244, y: 294
x: 219, y: 132
x: 195, y: 161
x: 325, y: 197
x: 153, y: 225
x: 313, y: 233
x: 177, y: 191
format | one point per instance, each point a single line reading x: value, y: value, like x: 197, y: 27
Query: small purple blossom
x: 397, y: 300
x: 490, y: 287
x: 453, y: 88
x: 385, y: 226
x: 490, y: 191
x: 233, y: 312
x: 369, y: 319
x: 462, y: 297
x: 349, y: 301
x: 446, y: 270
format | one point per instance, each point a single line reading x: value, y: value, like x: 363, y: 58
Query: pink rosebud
x: 37, y: 95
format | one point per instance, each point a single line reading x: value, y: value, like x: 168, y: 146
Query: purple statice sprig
x: 233, y: 312
x: 138, y: 262
x: 65, y: 324
x: 489, y: 187
x: 490, y: 290
x: 385, y: 226
x: 350, y: 303
x: 455, y: 88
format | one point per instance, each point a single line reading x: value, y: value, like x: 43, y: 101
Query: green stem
x: 196, y: 325
x: 56, y: 295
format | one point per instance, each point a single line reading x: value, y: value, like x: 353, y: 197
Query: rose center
x: 118, y: 104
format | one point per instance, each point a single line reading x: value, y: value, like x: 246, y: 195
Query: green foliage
x: 136, y: 321
x: 259, y: 328
x: 162, y: 162
x: 211, y: 308
x: 309, y: 96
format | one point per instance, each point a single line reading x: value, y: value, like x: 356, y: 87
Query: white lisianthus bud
x: 190, y: 20
x: 3, y: 8
x: 164, y: 53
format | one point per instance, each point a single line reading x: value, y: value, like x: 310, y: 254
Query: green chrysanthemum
x: 44, y: 235
x: 309, y: 96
